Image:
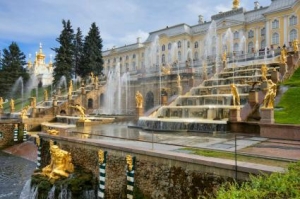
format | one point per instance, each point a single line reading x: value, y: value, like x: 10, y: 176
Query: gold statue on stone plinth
x: 295, y: 45
x: 12, y: 105
x: 139, y: 99
x: 81, y: 110
x: 92, y: 77
x: 264, y: 71
x: 53, y: 132
x: 283, y: 56
x: 45, y: 95
x: 101, y: 156
x: 129, y: 162
x: 24, y: 112
x: 178, y: 80
x: 235, y: 4
x: 270, y: 95
x: 33, y: 102
x: 70, y: 88
x: 224, y: 57
x: 235, y: 95
x: 60, y: 164
x: 166, y: 70
x: 1, y: 102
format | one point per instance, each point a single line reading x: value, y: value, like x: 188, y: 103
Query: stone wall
x: 157, y: 174
x: 280, y: 131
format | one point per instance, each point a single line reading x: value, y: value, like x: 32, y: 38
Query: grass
x: 289, y: 104
x: 240, y: 157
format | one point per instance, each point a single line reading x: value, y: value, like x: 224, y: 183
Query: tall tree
x: 78, y: 51
x: 12, y: 67
x: 92, y: 60
x: 64, y: 54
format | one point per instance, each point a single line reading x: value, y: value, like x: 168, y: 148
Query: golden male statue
x: 235, y: 95
x: 139, y: 99
x: 270, y: 95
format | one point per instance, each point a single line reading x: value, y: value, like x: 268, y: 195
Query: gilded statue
x: 92, y: 77
x: 45, y: 95
x: 70, y: 88
x: 38, y: 141
x: 178, y: 80
x: 264, y: 71
x: 139, y: 99
x: 129, y: 162
x: 235, y: 95
x: 224, y: 57
x: 270, y: 95
x: 60, y: 164
x: 53, y: 132
x: 12, y: 104
x: 81, y: 110
x: 295, y: 45
x: 33, y: 102
x: 166, y: 70
x: 283, y: 56
x: 1, y: 102
x: 101, y: 156
x: 24, y: 111
x: 235, y: 4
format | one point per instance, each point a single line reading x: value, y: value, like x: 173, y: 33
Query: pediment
x: 226, y: 23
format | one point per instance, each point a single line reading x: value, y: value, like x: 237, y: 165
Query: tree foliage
x: 12, y: 67
x: 92, y: 60
x: 78, y: 51
x: 64, y: 54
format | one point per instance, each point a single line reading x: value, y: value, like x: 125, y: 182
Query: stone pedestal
x: 179, y: 90
x: 275, y: 76
x: 267, y: 115
x: 235, y: 114
x: 12, y: 110
x: 139, y: 111
x: 83, y: 122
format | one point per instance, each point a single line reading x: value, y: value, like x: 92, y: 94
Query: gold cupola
x: 235, y: 4
x: 40, y: 57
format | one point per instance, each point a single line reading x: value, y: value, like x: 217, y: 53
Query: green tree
x: 12, y: 67
x: 64, y: 54
x: 78, y: 51
x: 92, y: 60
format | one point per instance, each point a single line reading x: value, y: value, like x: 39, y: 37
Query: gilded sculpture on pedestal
x: 70, y: 88
x: 283, y: 56
x: 264, y: 71
x: 235, y: 4
x: 60, y: 164
x: 224, y: 57
x: 1, y: 102
x: 81, y: 110
x: 24, y: 112
x: 139, y: 99
x: 178, y: 80
x: 235, y: 95
x: 295, y: 45
x: 129, y: 162
x: 101, y: 156
x: 92, y: 77
x: 45, y: 95
x: 270, y: 95
x: 12, y: 104
x: 166, y: 70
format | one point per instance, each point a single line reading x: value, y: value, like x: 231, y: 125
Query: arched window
x: 196, y: 44
x: 163, y: 47
x: 179, y: 55
x: 263, y: 44
x: 263, y: 32
x: 275, y: 24
x: 163, y: 59
x: 115, y: 60
x: 169, y: 46
x: 293, y: 35
x: 251, y: 34
x: 236, y: 35
x: 120, y: 58
x: 133, y: 56
x: 188, y: 44
x: 236, y: 47
x: 133, y: 66
x: 250, y: 47
x: 293, y: 20
x: 275, y: 38
x: 179, y: 44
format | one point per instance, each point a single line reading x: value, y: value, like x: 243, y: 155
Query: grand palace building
x: 253, y: 32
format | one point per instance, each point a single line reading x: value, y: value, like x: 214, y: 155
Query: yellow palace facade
x: 260, y: 29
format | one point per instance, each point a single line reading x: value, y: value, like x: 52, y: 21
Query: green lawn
x: 289, y: 105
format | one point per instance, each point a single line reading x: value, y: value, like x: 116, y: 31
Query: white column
x: 267, y: 33
x: 285, y: 30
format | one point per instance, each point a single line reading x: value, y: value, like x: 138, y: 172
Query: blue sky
x: 120, y: 21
